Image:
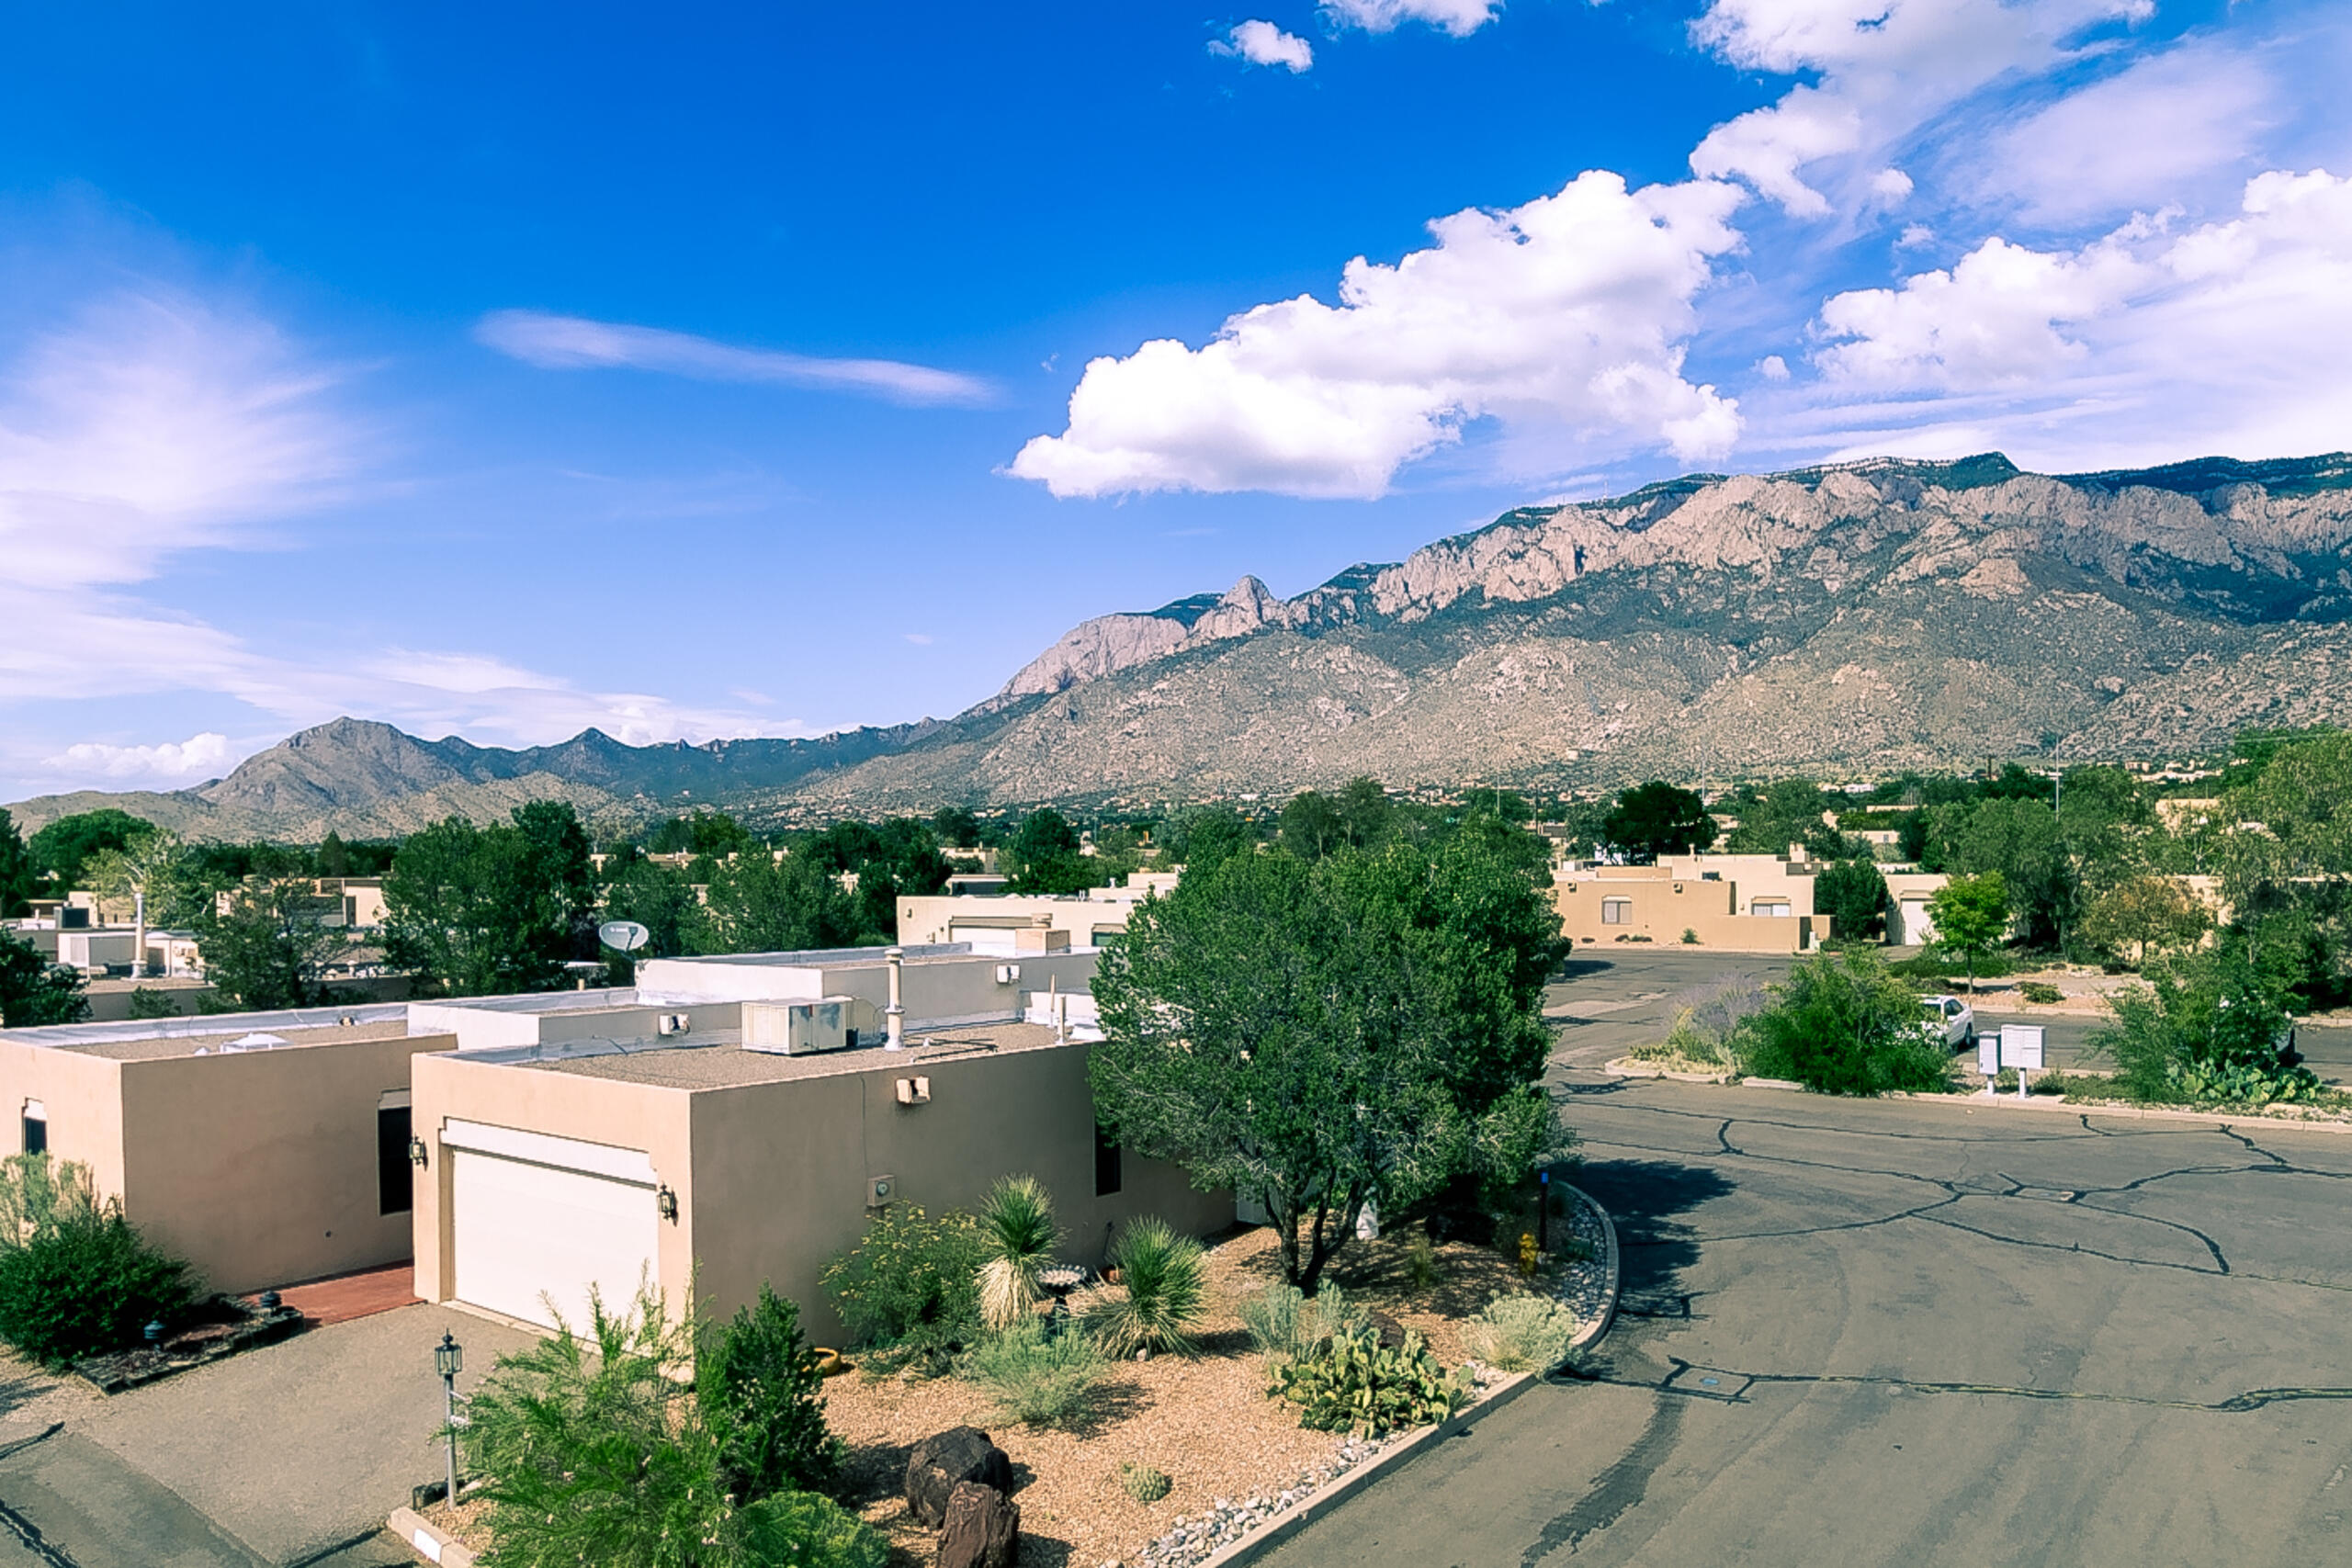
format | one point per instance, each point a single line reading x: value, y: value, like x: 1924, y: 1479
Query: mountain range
x: 1841, y: 620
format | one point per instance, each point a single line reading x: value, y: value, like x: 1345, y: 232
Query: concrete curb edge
x: 429, y: 1542
x: 1612, y: 1267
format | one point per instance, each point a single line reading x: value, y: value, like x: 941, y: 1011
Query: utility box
x: 2021, y: 1046
x: 800, y: 1029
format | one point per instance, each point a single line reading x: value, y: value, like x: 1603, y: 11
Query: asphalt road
x: 1609, y: 1003
x: 1880, y: 1332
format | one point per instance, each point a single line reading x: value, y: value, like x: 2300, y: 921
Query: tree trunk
x: 1287, y: 1231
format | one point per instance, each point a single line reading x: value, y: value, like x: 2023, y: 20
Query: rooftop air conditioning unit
x: 1006, y: 973
x: 800, y: 1029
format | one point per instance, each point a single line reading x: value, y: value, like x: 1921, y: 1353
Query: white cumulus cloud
x: 1262, y: 43
x: 1459, y: 17
x: 1568, y: 313
x: 574, y: 342
x: 1884, y: 68
x: 198, y: 758
x: 2144, y: 345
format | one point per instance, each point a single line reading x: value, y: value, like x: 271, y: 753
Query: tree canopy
x: 1322, y: 1035
x: 476, y: 911
x: 35, y: 991
x: 1658, y: 818
x: 62, y: 848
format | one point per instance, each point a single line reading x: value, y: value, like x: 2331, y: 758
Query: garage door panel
x: 532, y: 1240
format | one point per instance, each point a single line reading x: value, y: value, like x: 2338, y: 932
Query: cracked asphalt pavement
x: 1885, y: 1332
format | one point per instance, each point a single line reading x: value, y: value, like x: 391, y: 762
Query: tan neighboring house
x: 700, y: 1163
x: 1604, y: 905
x: 264, y: 1148
x: 989, y: 921
x: 1907, y: 892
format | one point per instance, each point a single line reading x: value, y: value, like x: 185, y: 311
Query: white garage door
x: 533, y: 1236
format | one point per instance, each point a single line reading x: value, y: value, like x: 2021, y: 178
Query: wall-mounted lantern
x: 665, y: 1202
x: 417, y: 1153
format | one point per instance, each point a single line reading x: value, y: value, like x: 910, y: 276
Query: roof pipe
x: 894, y: 1016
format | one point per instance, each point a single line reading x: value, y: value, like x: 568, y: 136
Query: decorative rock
x: 939, y: 1462
x: 983, y: 1528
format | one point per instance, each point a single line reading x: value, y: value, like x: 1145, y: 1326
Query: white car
x: 1953, y: 1019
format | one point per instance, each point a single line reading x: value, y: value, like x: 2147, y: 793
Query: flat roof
x: 823, y: 958
x: 204, y: 1025
x: 155, y: 1048
x: 720, y: 1061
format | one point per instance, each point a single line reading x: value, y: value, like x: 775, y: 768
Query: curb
x: 429, y: 1542
x: 1610, y: 1266
x: 1283, y: 1527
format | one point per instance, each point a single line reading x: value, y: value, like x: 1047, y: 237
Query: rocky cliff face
x: 1872, y: 615
x: 1852, y: 619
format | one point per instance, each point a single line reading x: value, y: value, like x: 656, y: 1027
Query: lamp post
x: 450, y: 1360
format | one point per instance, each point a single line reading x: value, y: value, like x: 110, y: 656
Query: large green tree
x: 1972, y: 916
x: 33, y: 991
x: 1322, y: 1035
x: 1311, y: 826
x: 1784, y: 812
x: 19, y: 879
x: 273, y: 944
x: 1853, y: 895
x: 478, y: 911
x: 62, y: 848
x: 1045, y: 858
x: 759, y: 904
x: 1658, y: 818
x: 1200, y: 836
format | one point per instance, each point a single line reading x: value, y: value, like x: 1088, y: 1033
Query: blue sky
x: 767, y: 371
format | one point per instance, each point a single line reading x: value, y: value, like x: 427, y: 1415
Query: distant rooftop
x: 203, y: 1026
x: 155, y: 1048
x: 717, y: 1060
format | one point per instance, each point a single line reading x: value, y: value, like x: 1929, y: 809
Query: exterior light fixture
x: 666, y: 1203
x: 450, y: 1360
x: 417, y: 1153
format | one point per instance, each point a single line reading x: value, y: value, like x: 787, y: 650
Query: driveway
x: 288, y: 1455
x: 1876, y: 1333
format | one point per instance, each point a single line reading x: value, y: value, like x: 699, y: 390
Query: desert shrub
x: 2040, y: 991
x: 1353, y: 1384
x: 759, y: 1390
x: 2206, y: 1029
x: 910, y: 1290
x: 1142, y: 1483
x: 1163, y: 1291
x: 1690, y: 937
x: 1420, y: 1261
x: 1686, y: 1044
x: 1017, y: 1232
x: 1037, y: 1379
x: 1521, y: 1334
x: 1841, y: 1024
x: 76, y: 1277
x: 593, y: 1448
x: 1286, y: 1326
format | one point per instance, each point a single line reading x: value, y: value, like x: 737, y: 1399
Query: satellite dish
x: 628, y: 936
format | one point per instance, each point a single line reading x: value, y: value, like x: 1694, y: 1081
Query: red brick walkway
x: 346, y: 1296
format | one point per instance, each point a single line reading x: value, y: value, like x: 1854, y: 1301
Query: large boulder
x: 938, y: 1464
x: 983, y: 1528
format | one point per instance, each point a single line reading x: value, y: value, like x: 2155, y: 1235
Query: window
x: 1778, y: 908
x: 1616, y: 911
x: 394, y: 1194
x: 36, y: 1128
x: 1107, y: 1164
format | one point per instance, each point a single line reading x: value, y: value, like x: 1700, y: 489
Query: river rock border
x: 1236, y: 1531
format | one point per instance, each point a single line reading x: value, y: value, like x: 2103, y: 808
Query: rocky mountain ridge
x: 1849, y: 619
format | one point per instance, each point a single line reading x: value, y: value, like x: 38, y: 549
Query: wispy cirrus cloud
x: 575, y: 343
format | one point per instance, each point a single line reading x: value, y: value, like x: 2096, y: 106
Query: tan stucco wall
x: 781, y: 1169
x: 83, y: 1097
x: 1665, y: 907
x: 260, y: 1167
x: 771, y: 1178
x: 931, y: 918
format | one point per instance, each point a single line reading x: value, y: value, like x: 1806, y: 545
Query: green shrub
x: 2040, y: 991
x: 909, y: 1292
x: 1420, y: 1261
x: 758, y: 1387
x: 594, y: 1448
x: 1354, y: 1384
x: 1037, y: 1379
x: 1690, y: 937
x: 1688, y: 1046
x: 1286, y: 1326
x: 2205, y: 1029
x: 76, y: 1278
x: 1841, y: 1024
x: 1161, y: 1293
x: 1144, y: 1483
x: 1521, y: 1334
x: 1018, y: 1232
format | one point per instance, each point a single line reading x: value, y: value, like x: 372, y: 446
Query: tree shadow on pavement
x: 1647, y: 1199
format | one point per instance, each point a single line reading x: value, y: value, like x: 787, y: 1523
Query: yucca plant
x: 1018, y: 1232
x: 1162, y: 1291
